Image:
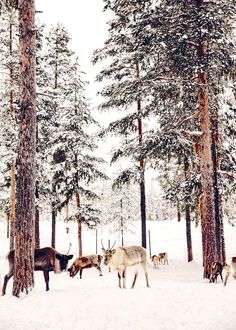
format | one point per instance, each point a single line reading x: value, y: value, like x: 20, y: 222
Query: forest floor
x: 178, y: 297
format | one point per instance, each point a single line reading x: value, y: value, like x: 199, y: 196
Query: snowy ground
x: 178, y: 297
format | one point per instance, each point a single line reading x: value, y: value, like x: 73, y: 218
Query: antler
x: 102, y: 245
x: 69, y: 248
x: 113, y: 245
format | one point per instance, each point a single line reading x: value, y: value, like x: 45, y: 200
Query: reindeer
x: 122, y: 257
x: 85, y: 262
x: 230, y: 269
x: 216, y: 269
x: 155, y: 260
x: 163, y: 258
x: 45, y: 259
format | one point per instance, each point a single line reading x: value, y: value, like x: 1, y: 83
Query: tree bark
x: 178, y: 212
x: 79, y: 227
x: 26, y: 161
x: 54, y: 216
x: 142, y: 174
x: 206, y: 167
x: 220, y: 244
x: 37, y: 234
x: 12, y: 214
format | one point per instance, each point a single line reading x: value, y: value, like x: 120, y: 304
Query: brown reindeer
x: 216, y: 270
x: 85, y: 262
x: 123, y: 257
x: 163, y: 258
x: 45, y: 259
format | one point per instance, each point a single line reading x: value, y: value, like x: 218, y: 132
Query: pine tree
x: 25, y: 192
x: 9, y: 102
x: 194, y: 40
x: 125, y: 90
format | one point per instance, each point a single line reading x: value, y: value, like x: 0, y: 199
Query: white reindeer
x: 122, y: 257
x: 230, y: 269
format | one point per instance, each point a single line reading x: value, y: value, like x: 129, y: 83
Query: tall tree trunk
x: 8, y: 224
x: 79, y: 227
x: 11, y: 106
x: 220, y: 244
x: 178, y: 212
x: 187, y: 216
x: 25, y: 192
x: 37, y: 233
x: 121, y: 223
x: 142, y: 173
x: 12, y: 214
x: 54, y: 217
x: 206, y: 167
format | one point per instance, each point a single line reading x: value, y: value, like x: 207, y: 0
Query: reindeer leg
x: 6, y: 279
x: 124, y: 278
x: 146, y: 275
x: 119, y: 278
x: 226, y: 278
x: 99, y: 269
x: 221, y: 277
x: 46, y: 277
x: 80, y: 273
x: 135, y: 278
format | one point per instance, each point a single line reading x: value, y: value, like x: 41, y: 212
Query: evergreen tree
x: 125, y: 90
x: 196, y: 37
x: 25, y: 186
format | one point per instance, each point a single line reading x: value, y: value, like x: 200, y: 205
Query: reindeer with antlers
x: 122, y: 257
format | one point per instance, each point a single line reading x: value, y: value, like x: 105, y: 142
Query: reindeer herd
x: 48, y: 259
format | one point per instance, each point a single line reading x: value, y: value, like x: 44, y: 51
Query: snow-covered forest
x: 147, y: 159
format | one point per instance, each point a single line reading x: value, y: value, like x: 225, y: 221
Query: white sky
x: 86, y: 24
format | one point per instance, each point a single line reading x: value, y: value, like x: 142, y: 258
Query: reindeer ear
x: 58, y: 256
x: 113, y: 251
x: 70, y: 256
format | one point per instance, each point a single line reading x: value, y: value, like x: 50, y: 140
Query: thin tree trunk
x: 178, y: 212
x: 220, y: 244
x: 37, y: 234
x: 121, y: 223
x: 37, y: 231
x: 79, y: 227
x: 11, y: 106
x: 54, y: 217
x: 187, y: 216
x: 142, y: 173
x: 25, y: 192
x: 8, y: 224
x: 12, y: 214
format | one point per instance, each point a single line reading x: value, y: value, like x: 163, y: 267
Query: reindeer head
x: 108, y: 253
x: 63, y: 260
x: 72, y: 270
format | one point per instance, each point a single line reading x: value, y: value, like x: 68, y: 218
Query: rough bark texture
x: 206, y: 167
x: 142, y: 175
x: 25, y: 185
